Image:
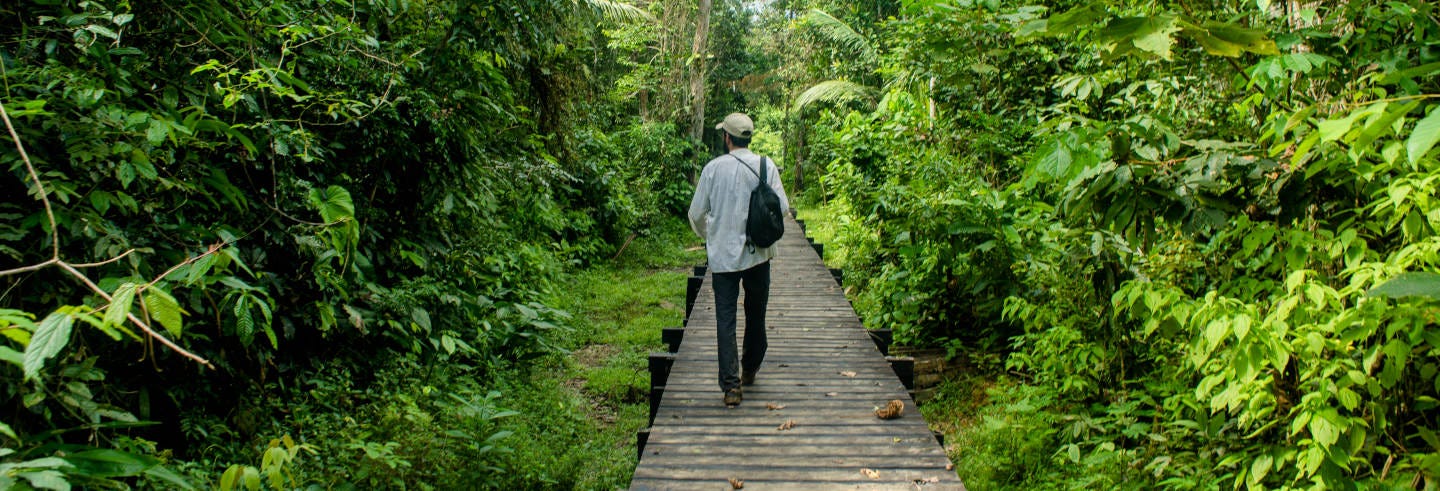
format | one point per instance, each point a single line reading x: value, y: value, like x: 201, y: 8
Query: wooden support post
x: 883, y: 338
x: 839, y: 275
x: 904, y: 368
x: 692, y: 289
x: 660, y: 368
x: 939, y: 437
x: 819, y: 249
x: 660, y: 364
x: 802, y: 225
x: 672, y: 336
x: 656, y: 394
x: 641, y: 438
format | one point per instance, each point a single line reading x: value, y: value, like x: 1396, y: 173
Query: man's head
x: 738, y: 129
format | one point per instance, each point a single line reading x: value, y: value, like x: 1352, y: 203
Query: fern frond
x: 840, y: 33
x: 835, y: 92
x: 616, y: 11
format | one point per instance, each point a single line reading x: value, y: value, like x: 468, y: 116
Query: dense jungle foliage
x: 1194, y: 241
x: 317, y: 241
x: 368, y: 243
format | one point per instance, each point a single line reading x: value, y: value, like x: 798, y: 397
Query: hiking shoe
x: 732, y: 397
x: 747, y: 378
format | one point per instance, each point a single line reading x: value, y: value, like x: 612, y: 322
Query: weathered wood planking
x: 826, y: 375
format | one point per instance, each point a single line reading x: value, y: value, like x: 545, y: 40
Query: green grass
x: 821, y: 226
x: 579, y: 412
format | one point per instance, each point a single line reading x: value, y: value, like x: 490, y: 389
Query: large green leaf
x: 1157, y: 36
x: 12, y: 356
x: 120, y: 303
x: 1061, y: 24
x: 24, y: 321
x: 46, y: 480
x: 1226, y: 39
x: 1419, y: 284
x: 110, y: 463
x: 333, y: 202
x: 165, y: 310
x: 1377, y: 127
x: 1151, y: 35
x: 616, y: 11
x: 840, y: 33
x: 244, y: 323
x: 1423, y: 138
x: 50, y: 337
x: 834, y: 92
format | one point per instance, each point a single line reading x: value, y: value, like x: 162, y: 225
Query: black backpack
x: 766, y: 222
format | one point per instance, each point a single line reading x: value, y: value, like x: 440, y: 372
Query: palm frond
x: 616, y: 11
x: 840, y: 33
x: 835, y: 92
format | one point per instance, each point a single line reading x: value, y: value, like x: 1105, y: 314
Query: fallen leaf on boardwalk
x: 787, y: 425
x: 736, y: 483
x: 784, y: 365
x: 773, y: 406
x: 831, y: 394
x: 848, y: 373
x: 892, y: 410
x: 950, y: 466
x: 870, y: 473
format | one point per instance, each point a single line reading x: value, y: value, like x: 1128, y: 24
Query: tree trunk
x: 792, y: 150
x: 697, y: 72
x: 800, y: 154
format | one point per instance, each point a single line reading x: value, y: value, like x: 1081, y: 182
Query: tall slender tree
x: 697, y: 71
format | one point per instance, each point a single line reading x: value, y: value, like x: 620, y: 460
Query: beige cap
x: 737, y: 124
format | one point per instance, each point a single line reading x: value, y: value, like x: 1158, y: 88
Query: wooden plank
x: 764, y: 471
x: 716, y: 440
x: 810, y: 460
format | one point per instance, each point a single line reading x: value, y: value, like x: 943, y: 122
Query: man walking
x: 718, y: 213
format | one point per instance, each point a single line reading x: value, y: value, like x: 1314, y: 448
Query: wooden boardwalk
x: 824, y: 374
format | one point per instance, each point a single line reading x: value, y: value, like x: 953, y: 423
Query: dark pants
x: 757, y: 295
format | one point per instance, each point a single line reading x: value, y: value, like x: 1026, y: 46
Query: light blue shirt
x: 722, y: 204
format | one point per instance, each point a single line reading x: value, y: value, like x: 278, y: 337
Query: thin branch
x: 102, y: 263
x: 33, y: 267
x: 376, y: 58
x: 301, y: 221
x: 44, y: 196
x: 213, y: 249
x: 135, y: 319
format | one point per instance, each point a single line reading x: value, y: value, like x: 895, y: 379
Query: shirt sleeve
x: 700, y: 203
